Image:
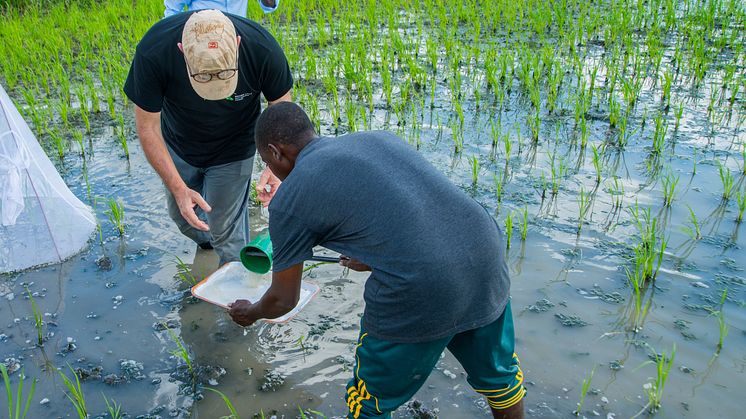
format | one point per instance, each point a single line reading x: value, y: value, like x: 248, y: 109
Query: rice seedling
x: 508, y: 228
x: 14, y: 405
x: 60, y: 143
x: 669, y: 183
x: 180, y: 351
x: 741, y: 201
x: 584, y: 205
x: 694, y: 231
x: 524, y: 224
x: 184, y: 273
x: 584, y: 388
x: 659, y: 135
x: 123, y: 137
x: 474, y: 170
x: 726, y: 178
x: 114, y: 409
x: 666, y: 90
x: 233, y: 413
x: 722, y: 326
x: 38, y: 319
x: 75, y: 392
x: 596, y: 163
x: 654, y: 388
x: 678, y: 113
x: 116, y: 214
x: 648, y: 253
x: 78, y: 137
x: 499, y: 186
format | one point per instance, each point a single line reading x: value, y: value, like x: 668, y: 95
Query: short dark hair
x: 284, y: 123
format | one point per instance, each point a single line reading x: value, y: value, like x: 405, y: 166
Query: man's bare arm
x: 149, y: 130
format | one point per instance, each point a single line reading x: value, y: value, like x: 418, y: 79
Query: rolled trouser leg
x: 226, y: 189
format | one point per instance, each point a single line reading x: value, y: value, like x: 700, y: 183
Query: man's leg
x: 388, y: 374
x: 226, y: 189
x: 487, y: 354
x: 193, y: 177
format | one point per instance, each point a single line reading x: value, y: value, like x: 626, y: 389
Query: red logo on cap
x: 212, y: 45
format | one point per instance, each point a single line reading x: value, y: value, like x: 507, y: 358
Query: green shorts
x: 387, y: 374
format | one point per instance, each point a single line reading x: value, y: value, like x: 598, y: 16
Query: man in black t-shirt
x: 195, y: 80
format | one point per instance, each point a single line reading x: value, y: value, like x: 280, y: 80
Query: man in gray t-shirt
x: 438, y: 275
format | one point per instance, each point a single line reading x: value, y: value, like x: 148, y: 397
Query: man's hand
x: 353, y: 264
x: 239, y: 312
x: 187, y: 199
x: 267, y: 186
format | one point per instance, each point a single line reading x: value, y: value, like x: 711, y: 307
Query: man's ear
x: 181, y: 47
x: 276, y: 152
x: 238, y: 40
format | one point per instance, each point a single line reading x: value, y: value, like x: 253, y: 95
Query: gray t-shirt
x: 437, y: 258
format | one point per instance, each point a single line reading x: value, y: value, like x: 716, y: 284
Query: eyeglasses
x: 220, y: 75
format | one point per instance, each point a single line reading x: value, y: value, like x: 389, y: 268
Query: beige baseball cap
x: 209, y: 45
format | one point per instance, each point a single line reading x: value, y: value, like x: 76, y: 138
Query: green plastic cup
x: 257, y: 255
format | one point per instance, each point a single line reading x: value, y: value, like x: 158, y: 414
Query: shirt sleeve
x: 144, y: 86
x: 292, y: 240
x: 276, y: 78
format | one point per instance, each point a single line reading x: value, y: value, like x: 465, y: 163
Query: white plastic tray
x: 234, y: 282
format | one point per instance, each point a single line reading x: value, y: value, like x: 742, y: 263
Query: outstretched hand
x: 267, y: 186
x: 187, y: 199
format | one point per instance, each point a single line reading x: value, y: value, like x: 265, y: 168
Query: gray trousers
x: 225, y: 187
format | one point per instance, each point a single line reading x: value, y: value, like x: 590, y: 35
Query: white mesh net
x: 41, y: 221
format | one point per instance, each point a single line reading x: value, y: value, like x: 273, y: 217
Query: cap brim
x: 215, y: 89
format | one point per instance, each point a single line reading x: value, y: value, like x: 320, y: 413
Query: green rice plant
x: 615, y: 112
x: 78, y: 137
x: 666, y: 97
x: 458, y: 136
x: 495, y: 134
x: 654, y: 388
x: 524, y: 223
x: 110, y: 102
x: 558, y: 171
x: 114, y: 409
x: 180, y: 351
x: 741, y: 200
x: 38, y: 319
x: 508, y: 146
x: 75, y: 392
x: 722, y: 326
x: 499, y: 186
x: 726, y: 178
x: 60, y: 143
x: 678, y: 113
x: 14, y: 405
x: 640, y: 306
x: 315, y: 412
x: 184, y: 273
x: 659, y: 135
x: 508, y: 228
x: 694, y: 231
x: 233, y: 413
x: 669, y: 183
x: 648, y: 253
x: 116, y: 214
x: 596, y: 162
x: 123, y: 137
x: 584, y: 205
x: 474, y: 170
x: 584, y: 388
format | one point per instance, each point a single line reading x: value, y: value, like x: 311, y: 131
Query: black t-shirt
x: 206, y: 132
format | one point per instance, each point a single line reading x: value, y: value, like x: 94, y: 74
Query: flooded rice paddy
x: 583, y: 181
